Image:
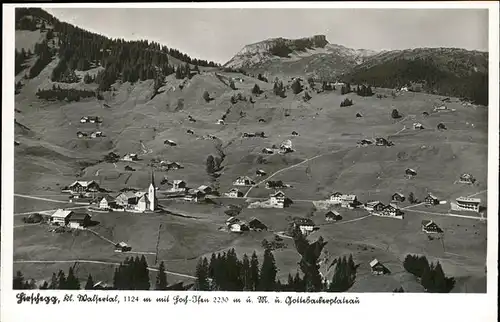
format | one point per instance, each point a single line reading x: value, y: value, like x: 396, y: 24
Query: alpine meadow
x: 299, y: 165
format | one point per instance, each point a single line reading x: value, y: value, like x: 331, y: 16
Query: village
x: 167, y: 189
x: 258, y: 202
x: 144, y: 201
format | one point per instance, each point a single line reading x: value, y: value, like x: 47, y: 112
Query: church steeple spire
x: 152, y: 192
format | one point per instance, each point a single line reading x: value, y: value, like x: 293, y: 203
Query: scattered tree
x: 206, y: 96
x: 161, y: 278
x: 268, y: 272
x: 346, y: 102
x: 256, y: 89
x: 231, y: 84
x: 411, y: 198
x: 395, y: 114
x: 296, y: 86
x: 18, y: 281
x: 201, y: 283
x: 307, y: 97
x: 89, y: 285
x: 364, y: 91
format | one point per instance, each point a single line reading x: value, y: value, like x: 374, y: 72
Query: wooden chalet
x: 430, y: 227
x: 398, y: 197
x: 378, y: 268
x: 431, y: 200
x: 256, y: 224
x: 333, y: 215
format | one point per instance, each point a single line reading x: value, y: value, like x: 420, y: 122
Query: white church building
x: 140, y: 201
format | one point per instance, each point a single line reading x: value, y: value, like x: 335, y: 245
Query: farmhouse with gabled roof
x: 467, y: 178
x: 398, y: 197
x: 333, y: 215
x: 429, y: 226
x: 278, y: 200
x: 374, y: 206
x: 378, y: 268
x: 84, y: 186
x: 243, y: 181
x: 234, y: 193
x: 431, y: 199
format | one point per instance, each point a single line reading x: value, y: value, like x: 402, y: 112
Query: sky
x: 218, y: 34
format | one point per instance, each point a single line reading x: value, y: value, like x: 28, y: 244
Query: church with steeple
x: 140, y: 201
x: 147, y: 199
x: 152, y: 193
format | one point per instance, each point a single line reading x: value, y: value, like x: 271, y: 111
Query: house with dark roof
x: 243, y: 181
x: 178, y: 186
x: 431, y: 200
x: 234, y: 193
x: 170, y: 142
x: 374, y: 206
x: 382, y: 142
x: 378, y: 268
x: 306, y: 225
x: 365, y: 142
x: 279, y: 200
x: 410, y: 173
x: 173, y: 165
x: 79, y: 220
x: 195, y: 195
x: 94, y: 119
x: 256, y: 224
x: 84, y: 186
x: 349, y: 201
x: 122, y: 247
x: 232, y: 220
x: 260, y: 173
x: 398, y: 197
x: 467, y: 178
x: 205, y: 189
x: 333, y: 215
x: 430, y: 227
x: 336, y: 197
x: 391, y: 211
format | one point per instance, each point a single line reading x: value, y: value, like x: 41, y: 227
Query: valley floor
x: 325, y: 159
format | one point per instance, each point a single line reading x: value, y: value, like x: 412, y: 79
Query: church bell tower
x: 152, y: 193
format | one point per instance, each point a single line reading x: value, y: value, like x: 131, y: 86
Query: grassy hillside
x: 139, y: 116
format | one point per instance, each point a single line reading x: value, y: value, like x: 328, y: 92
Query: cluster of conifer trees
x: 45, y: 55
x: 68, y: 94
x: 20, y: 58
x: 132, y: 274
x: 450, y: 80
x: 346, y: 89
x: 431, y: 276
x: 58, y: 281
x: 364, y: 90
x: 226, y: 272
x: 82, y: 50
x: 279, y: 88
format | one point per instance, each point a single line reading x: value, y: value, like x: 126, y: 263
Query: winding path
x: 291, y: 167
x: 447, y: 215
x: 46, y: 211
x: 39, y: 198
